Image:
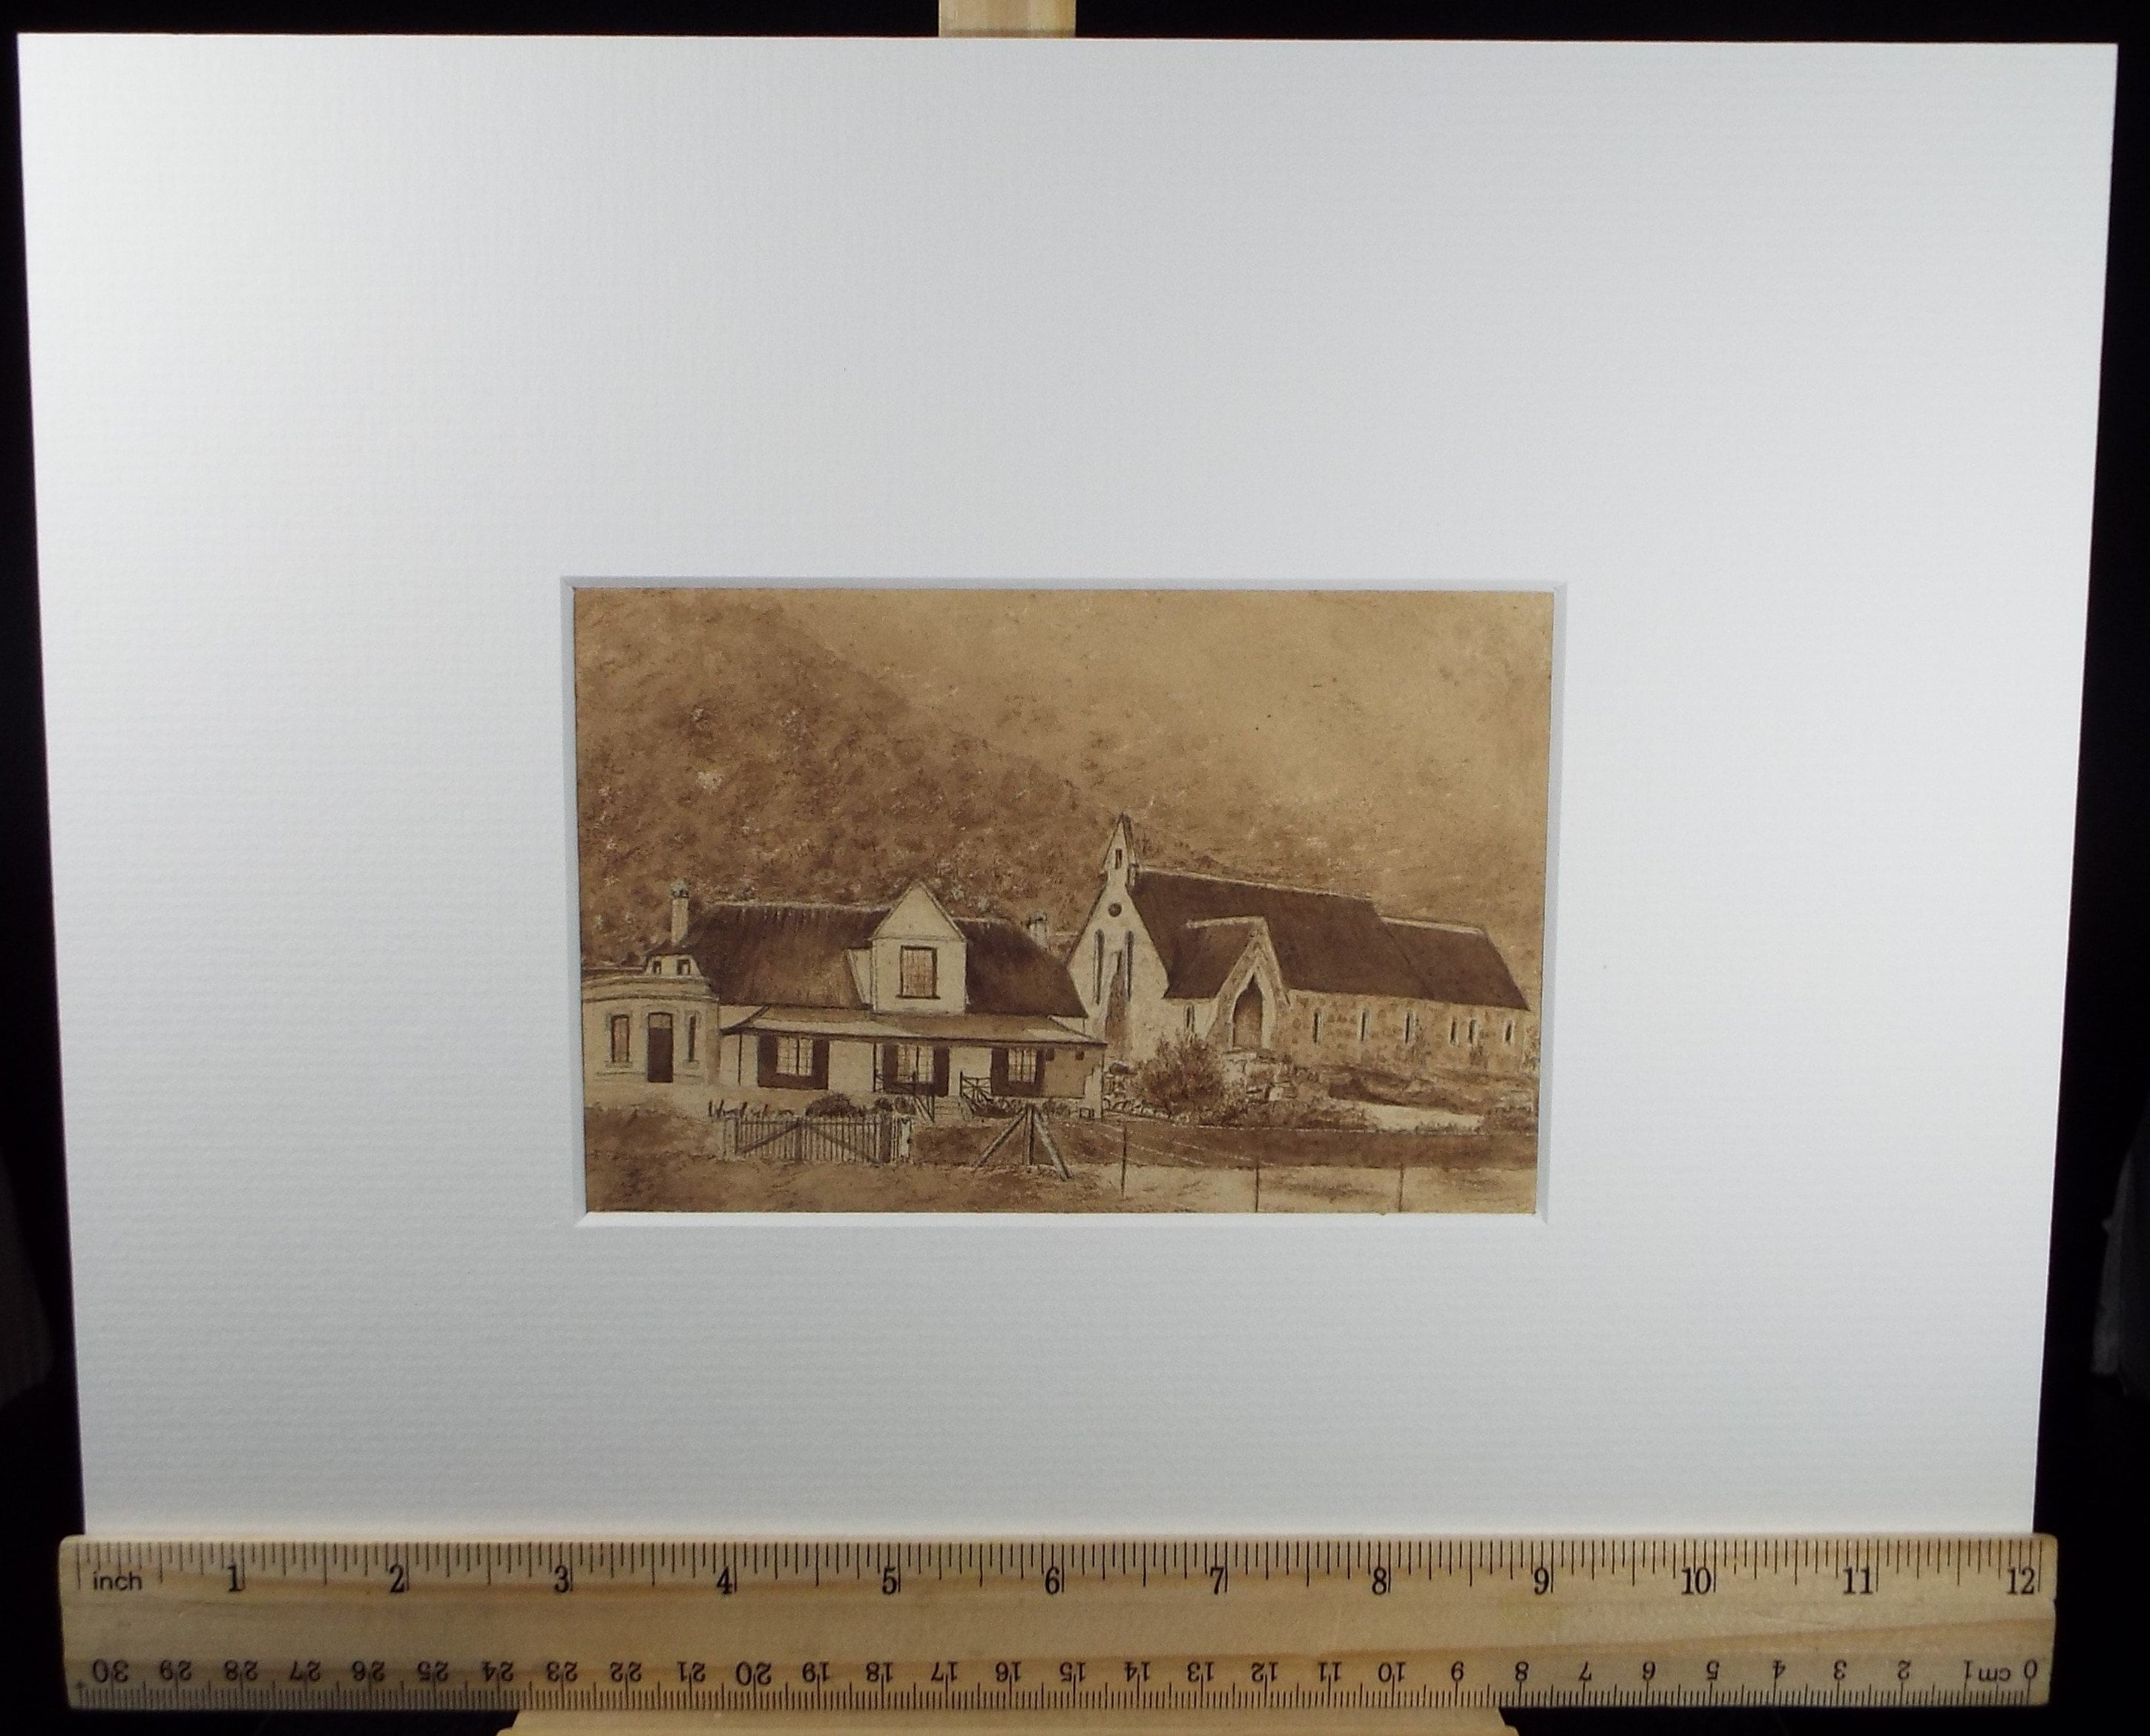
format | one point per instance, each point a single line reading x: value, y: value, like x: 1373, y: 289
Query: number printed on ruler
x: 1024, y: 1627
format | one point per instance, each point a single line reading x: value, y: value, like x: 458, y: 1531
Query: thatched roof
x: 795, y: 955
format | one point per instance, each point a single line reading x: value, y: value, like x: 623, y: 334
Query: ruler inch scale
x: 1097, y: 1632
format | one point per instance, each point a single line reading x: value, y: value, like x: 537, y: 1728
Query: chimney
x: 679, y: 912
x: 1040, y: 929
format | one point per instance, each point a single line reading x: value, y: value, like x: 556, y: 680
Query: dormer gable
x: 918, y: 916
x: 918, y: 957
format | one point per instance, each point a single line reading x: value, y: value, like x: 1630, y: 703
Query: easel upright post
x: 1008, y: 17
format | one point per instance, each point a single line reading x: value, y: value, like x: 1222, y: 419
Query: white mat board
x: 1779, y: 362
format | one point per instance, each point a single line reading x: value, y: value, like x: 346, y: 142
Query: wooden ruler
x: 1099, y: 1633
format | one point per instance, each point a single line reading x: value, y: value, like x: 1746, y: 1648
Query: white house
x: 783, y: 1003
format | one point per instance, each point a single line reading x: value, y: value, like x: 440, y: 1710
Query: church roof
x: 1205, y: 957
x: 1329, y: 942
x: 1462, y: 964
x: 795, y: 955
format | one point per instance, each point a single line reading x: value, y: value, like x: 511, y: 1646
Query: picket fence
x: 881, y: 1137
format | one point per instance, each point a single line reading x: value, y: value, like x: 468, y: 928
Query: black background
x: 2094, y: 1457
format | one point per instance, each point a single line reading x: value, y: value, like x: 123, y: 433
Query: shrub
x: 1183, y: 1080
x: 1311, y: 1114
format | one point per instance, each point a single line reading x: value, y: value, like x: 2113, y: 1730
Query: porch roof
x: 986, y: 1028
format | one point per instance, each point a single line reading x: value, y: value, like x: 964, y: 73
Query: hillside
x: 760, y: 766
x: 720, y: 737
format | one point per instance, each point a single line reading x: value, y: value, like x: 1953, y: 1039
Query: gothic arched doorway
x: 1247, y: 1017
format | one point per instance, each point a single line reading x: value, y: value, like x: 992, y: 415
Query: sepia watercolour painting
x: 1103, y: 901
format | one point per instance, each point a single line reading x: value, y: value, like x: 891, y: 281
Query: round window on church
x: 1112, y: 909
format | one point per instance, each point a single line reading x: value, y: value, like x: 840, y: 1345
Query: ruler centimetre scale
x: 1058, y: 1631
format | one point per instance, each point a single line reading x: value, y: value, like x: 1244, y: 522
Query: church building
x: 1316, y: 978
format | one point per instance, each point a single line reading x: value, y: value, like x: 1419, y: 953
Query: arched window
x: 1097, y: 989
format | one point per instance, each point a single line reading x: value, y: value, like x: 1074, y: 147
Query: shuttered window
x: 622, y: 1039
x: 917, y: 974
x: 790, y: 1062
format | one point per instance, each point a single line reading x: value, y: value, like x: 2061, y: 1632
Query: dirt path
x: 668, y: 1181
x: 661, y: 1164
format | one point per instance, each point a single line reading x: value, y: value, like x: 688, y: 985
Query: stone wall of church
x: 1395, y: 1034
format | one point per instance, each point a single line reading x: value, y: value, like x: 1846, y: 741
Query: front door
x: 1247, y: 1017
x: 660, y: 1048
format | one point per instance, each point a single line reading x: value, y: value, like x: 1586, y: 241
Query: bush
x: 1310, y: 1113
x: 1183, y: 1080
